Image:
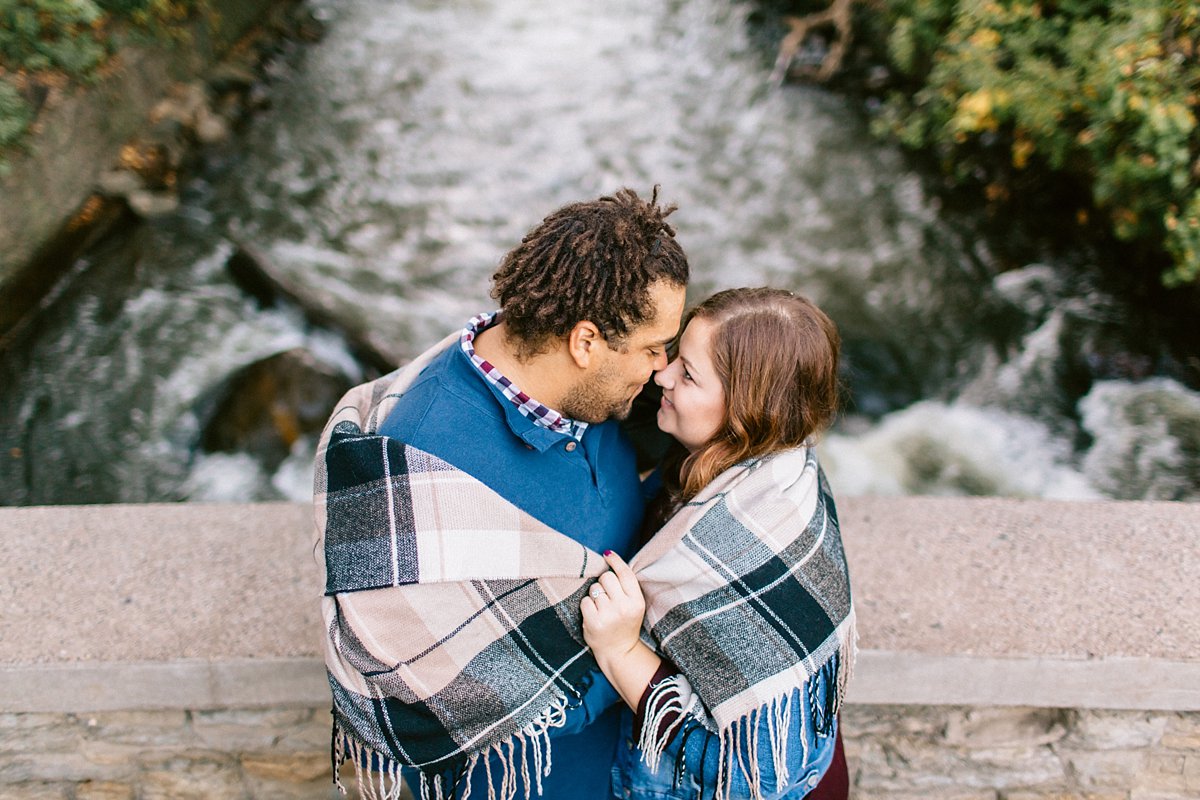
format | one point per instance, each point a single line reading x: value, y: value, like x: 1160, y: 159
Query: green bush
x: 75, y: 35
x: 51, y: 34
x: 1103, y: 95
x: 15, y: 116
x: 72, y: 38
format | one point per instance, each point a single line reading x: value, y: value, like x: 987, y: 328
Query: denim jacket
x: 694, y: 776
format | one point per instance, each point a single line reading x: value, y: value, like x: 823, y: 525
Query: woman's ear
x: 583, y: 342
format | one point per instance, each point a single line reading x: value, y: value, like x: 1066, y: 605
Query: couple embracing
x: 511, y: 610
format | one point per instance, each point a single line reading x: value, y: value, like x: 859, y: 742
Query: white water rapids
x: 404, y: 153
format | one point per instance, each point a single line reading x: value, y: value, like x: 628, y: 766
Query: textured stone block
x: 1182, y: 732
x: 247, y: 731
x: 1165, y: 763
x: 312, y: 734
x: 11, y: 721
x: 103, y: 790
x: 1116, y: 730
x: 1191, y: 773
x: 293, y: 767
x: 260, y: 789
x: 949, y: 794
x: 913, y: 764
x: 35, y: 791
x: 1005, y: 727
x: 1163, y: 772
x: 64, y: 767
x: 1107, y: 768
x: 869, y: 764
x: 142, y: 728
x: 39, y: 733
x: 1015, y: 768
x: 187, y: 780
x: 868, y: 720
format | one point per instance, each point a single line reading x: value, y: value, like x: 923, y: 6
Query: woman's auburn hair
x: 776, y: 355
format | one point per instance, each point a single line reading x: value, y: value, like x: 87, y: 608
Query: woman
x: 746, y: 603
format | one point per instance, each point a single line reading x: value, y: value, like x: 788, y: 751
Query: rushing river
x: 412, y: 146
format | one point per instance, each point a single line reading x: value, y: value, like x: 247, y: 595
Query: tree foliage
x: 47, y: 34
x: 1105, y: 95
x: 71, y: 38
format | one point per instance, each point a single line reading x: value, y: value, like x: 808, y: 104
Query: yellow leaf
x: 1022, y: 149
x: 985, y: 39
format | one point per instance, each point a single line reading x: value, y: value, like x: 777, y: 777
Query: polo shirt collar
x: 530, y: 412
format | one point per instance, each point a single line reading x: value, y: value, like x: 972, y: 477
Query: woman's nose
x: 661, y: 377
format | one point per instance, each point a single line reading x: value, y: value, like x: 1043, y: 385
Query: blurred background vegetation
x: 1079, y: 118
x: 49, y: 42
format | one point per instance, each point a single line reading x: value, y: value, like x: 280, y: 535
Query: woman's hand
x: 613, y: 612
x: 612, y: 626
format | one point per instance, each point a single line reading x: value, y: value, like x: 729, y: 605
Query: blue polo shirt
x: 586, y: 489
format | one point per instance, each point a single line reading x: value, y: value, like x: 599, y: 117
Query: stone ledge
x: 983, y: 602
x: 882, y: 678
x: 150, y: 686
x: 887, y: 678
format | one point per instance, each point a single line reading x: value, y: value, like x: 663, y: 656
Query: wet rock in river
x: 1063, y: 340
x: 232, y: 76
x: 147, y: 204
x: 267, y: 283
x: 1146, y: 439
x: 266, y: 407
x: 185, y: 103
x: 211, y: 128
x: 119, y: 183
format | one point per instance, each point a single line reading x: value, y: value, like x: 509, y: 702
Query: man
x: 526, y: 403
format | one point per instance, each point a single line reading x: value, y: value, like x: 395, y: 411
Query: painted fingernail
x: 608, y: 552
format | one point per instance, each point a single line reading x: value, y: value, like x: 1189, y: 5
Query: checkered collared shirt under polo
x: 542, y: 415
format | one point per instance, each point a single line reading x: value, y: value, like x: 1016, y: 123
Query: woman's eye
x: 687, y: 376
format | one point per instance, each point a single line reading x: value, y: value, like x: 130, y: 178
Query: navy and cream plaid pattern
x: 748, y: 593
x: 452, y: 617
x: 539, y: 413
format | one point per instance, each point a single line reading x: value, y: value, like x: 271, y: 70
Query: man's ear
x: 583, y: 343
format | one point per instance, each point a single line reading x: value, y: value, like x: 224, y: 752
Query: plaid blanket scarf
x: 453, y: 630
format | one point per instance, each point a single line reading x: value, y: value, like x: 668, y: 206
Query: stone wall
x: 1009, y: 650
x: 965, y: 753
x: 894, y: 752
x: 172, y: 755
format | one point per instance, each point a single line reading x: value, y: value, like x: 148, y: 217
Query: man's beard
x: 601, y: 398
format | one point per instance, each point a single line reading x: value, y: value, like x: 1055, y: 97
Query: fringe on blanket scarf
x: 380, y: 778
x: 672, y: 703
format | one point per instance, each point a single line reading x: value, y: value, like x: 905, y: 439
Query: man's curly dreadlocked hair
x: 591, y: 261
